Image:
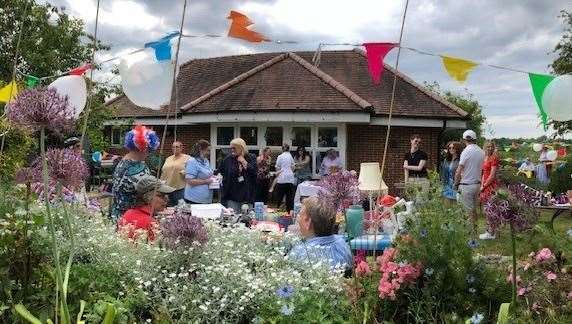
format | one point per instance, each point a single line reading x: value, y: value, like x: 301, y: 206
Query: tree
x: 468, y: 103
x: 52, y: 42
x: 563, y: 63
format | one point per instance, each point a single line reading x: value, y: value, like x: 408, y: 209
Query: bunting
x: 376, y: 52
x: 9, y: 92
x: 239, y: 28
x: 457, y: 68
x: 539, y: 83
x: 80, y: 70
x: 31, y: 81
x: 162, y: 46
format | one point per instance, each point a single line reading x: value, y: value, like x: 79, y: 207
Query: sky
x: 520, y: 34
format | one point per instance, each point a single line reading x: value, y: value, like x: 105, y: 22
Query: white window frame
x: 286, y: 131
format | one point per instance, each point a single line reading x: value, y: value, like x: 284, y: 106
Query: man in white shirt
x: 286, y: 181
x: 468, y: 175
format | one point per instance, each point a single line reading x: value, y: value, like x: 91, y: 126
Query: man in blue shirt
x: 316, y: 221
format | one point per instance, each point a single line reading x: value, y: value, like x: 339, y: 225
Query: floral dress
x: 126, y: 174
x: 490, y: 190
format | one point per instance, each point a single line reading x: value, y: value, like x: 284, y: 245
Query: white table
x: 307, y: 189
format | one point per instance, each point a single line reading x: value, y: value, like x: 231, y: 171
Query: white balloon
x: 72, y: 86
x: 551, y: 155
x: 557, y: 98
x: 146, y: 82
x: 537, y: 147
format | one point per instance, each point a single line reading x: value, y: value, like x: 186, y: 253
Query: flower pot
x: 354, y: 221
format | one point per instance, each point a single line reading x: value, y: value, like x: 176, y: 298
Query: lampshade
x: 370, y: 177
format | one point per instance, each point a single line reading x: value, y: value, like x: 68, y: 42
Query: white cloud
x: 521, y: 125
x: 122, y: 14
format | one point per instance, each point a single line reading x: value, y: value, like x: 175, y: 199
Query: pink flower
x: 570, y: 295
x: 362, y: 269
x: 522, y: 291
x: 544, y: 255
x: 389, y: 267
x: 551, y: 276
x: 386, y: 290
x: 509, y: 278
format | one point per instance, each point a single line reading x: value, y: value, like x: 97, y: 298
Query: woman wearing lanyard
x: 199, y: 175
x: 238, y: 176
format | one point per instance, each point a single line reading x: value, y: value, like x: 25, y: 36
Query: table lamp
x: 370, y: 181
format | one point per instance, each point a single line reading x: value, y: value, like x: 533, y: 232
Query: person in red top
x: 489, y: 182
x: 151, y: 199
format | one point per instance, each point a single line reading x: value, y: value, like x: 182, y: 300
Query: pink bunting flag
x: 80, y: 70
x: 375, y: 54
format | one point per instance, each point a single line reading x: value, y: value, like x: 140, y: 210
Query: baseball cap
x: 71, y: 141
x: 469, y: 134
x: 149, y: 183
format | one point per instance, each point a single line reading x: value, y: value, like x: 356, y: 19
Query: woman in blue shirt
x: 199, y: 175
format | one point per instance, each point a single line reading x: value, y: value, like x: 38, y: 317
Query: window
x: 327, y: 136
x: 116, y: 138
x: 224, y: 135
x: 273, y: 136
x: 317, y: 139
x: 249, y: 135
x: 301, y: 136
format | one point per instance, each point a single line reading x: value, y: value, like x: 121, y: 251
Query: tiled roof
x: 289, y: 82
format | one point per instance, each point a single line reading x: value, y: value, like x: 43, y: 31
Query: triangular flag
x: 539, y: 83
x: 9, y: 91
x: 375, y: 54
x: 238, y: 28
x: 162, y: 46
x: 80, y: 70
x: 31, y: 81
x: 457, y: 68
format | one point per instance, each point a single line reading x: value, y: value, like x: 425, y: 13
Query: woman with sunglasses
x: 238, y: 171
x: 448, y: 169
x: 173, y: 172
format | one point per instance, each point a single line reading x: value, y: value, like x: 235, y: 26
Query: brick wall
x: 365, y: 144
x: 188, y: 134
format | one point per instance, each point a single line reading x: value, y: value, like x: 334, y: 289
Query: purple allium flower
x: 64, y: 166
x: 182, y: 229
x: 341, y: 189
x: 25, y: 176
x: 39, y: 108
x: 513, y: 207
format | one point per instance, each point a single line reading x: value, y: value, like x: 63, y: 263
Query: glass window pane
x: 273, y: 136
x: 220, y: 155
x: 327, y: 167
x: 301, y: 136
x: 249, y: 135
x: 327, y: 137
x: 116, y: 136
x: 224, y: 135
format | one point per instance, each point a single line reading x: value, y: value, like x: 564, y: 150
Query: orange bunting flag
x: 458, y: 68
x: 80, y: 70
x: 238, y: 28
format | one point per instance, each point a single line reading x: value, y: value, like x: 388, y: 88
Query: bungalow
x: 271, y: 98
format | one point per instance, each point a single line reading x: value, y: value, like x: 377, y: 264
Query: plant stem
x: 513, y: 239
x: 72, y: 248
x: 52, y: 229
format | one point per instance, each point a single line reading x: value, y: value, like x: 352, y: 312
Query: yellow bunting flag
x: 458, y: 68
x: 8, y: 92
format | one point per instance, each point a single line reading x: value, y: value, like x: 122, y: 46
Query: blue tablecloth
x: 371, y: 242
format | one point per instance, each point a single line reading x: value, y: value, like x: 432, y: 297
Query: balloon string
x: 393, y: 93
x: 173, y: 89
x: 91, y: 82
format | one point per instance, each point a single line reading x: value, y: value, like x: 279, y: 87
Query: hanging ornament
x: 80, y: 70
x: 539, y: 83
x: 146, y: 82
x: 74, y: 87
x: 31, y: 81
x: 239, y: 28
x: 162, y: 47
x: 557, y: 98
x: 376, y: 52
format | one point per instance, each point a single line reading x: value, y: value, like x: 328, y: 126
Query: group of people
x: 468, y: 173
x: 138, y: 196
